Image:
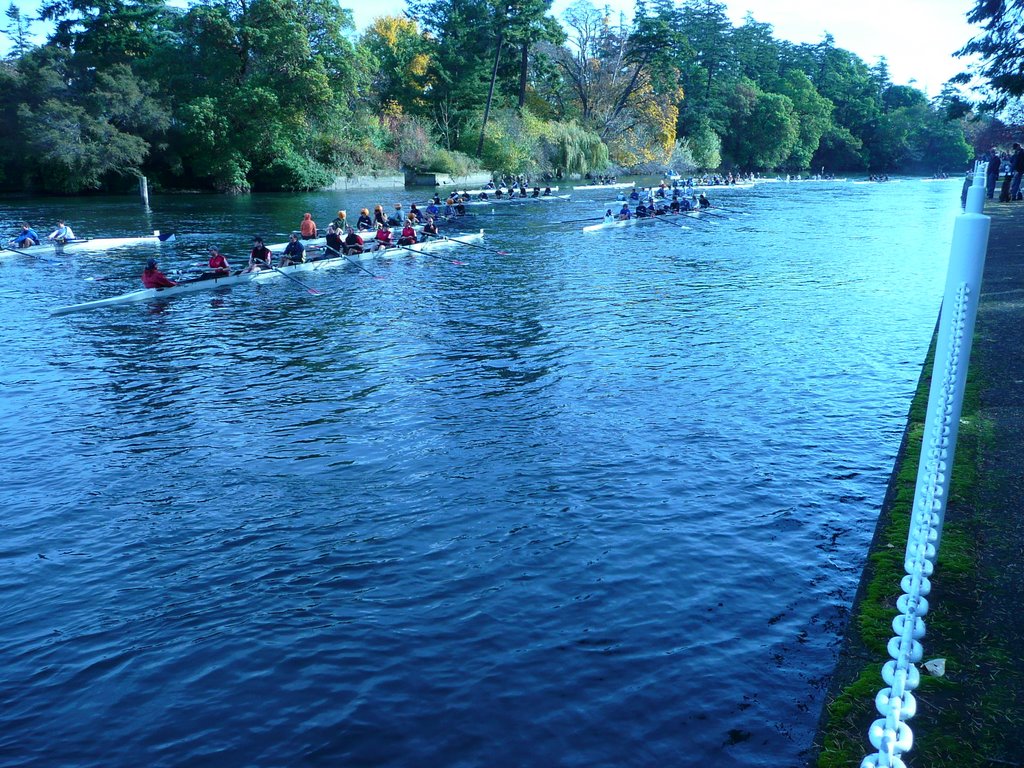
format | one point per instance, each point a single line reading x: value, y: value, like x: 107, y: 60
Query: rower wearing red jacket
x: 408, y: 236
x: 152, y: 277
x: 218, y: 262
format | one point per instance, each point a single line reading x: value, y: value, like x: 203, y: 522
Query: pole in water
x: 144, y: 190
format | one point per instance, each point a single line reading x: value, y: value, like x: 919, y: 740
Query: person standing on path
x: 1016, y: 169
x: 992, y: 173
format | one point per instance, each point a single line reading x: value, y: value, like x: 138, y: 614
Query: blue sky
x: 917, y: 37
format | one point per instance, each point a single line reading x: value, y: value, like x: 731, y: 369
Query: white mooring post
x: 144, y: 190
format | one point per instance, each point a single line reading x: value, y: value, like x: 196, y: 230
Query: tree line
x: 236, y: 95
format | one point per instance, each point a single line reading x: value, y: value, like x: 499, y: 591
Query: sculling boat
x: 491, y: 192
x: 615, y: 185
x: 620, y: 223
x: 79, y: 245
x: 213, y: 283
x: 528, y: 198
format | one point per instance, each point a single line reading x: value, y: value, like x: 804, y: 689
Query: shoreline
x: 966, y: 717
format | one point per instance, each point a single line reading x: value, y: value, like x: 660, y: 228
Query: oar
x: 353, y: 261
x: 666, y: 221
x: 577, y: 221
x: 313, y: 291
x: 474, y: 245
x: 730, y: 210
x: 434, y: 255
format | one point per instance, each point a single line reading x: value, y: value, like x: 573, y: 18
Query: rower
x: 704, y: 202
x: 547, y: 191
x: 641, y: 211
x: 498, y: 193
x: 396, y: 219
x: 383, y: 236
x: 449, y: 209
x: 414, y: 213
x: 429, y: 229
x: 152, y: 277
x: 460, y: 209
x: 364, y: 222
x: 259, y: 257
x: 62, y: 233
x: 536, y: 192
x: 482, y: 196
x: 432, y: 209
x: 27, y: 238
x: 674, y: 205
x: 294, y: 252
x: 353, y: 243
x: 341, y: 221
x: 333, y: 238
x: 634, y: 195
x: 408, y: 236
x: 218, y: 263
x: 378, y: 215
x: 308, y: 227
x: 624, y: 213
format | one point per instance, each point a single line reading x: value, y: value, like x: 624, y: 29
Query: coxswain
x: 152, y: 277
x: 353, y: 243
x: 308, y: 227
x: 364, y: 221
x: 27, y: 238
x: 259, y: 257
x: 333, y: 238
x: 341, y: 222
x: 415, y: 213
x: 62, y: 233
x: 704, y: 202
x: 429, y: 229
x: 608, y: 217
x: 218, y: 263
x: 625, y: 213
x: 294, y: 252
x: 408, y: 234
x: 383, y: 236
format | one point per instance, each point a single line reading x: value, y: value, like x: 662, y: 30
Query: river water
x: 600, y: 501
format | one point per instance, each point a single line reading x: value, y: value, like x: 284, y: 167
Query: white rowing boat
x: 621, y: 223
x: 526, y: 199
x: 616, y: 185
x: 82, y: 245
x: 213, y: 283
x: 491, y: 192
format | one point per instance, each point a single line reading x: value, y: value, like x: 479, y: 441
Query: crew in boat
x: 449, y: 209
x: 624, y: 212
x: 536, y: 192
x: 152, y: 277
x: 353, y: 243
x: 408, y: 236
x: 498, y: 194
x: 634, y: 195
x: 333, y: 238
x: 396, y: 219
x: 429, y: 228
x: 294, y: 252
x: 259, y: 257
x: 547, y: 192
x: 62, y: 233
x: 218, y: 263
x: 432, y: 209
x: 415, y: 213
x: 364, y: 221
x: 308, y: 227
x: 341, y: 221
x: 27, y: 238
x: 704, y: 202
x: 641, y: 211
x: 378, y: 215
x: 460, y: 209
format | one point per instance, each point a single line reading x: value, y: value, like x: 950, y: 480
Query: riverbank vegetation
x: 235, y: 95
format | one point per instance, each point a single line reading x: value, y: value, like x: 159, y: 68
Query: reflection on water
x: 603, y: 500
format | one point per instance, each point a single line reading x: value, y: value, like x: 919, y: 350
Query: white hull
x: 622, y: 223
x: 617, y: 185
x: 211, y: 284
x: 91, y: 244
x: 504, y: 191
x: 496, y: 200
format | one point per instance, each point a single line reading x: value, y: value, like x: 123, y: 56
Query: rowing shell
x: 213, y: 283
x: 79, y: 245
x: 617, y: 185
x: 619, y: 223
x: 494, y: 200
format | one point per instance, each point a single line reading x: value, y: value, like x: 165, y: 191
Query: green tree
x: 1000, y: 51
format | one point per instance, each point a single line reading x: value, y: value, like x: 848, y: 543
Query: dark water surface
x: 603, y: 501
